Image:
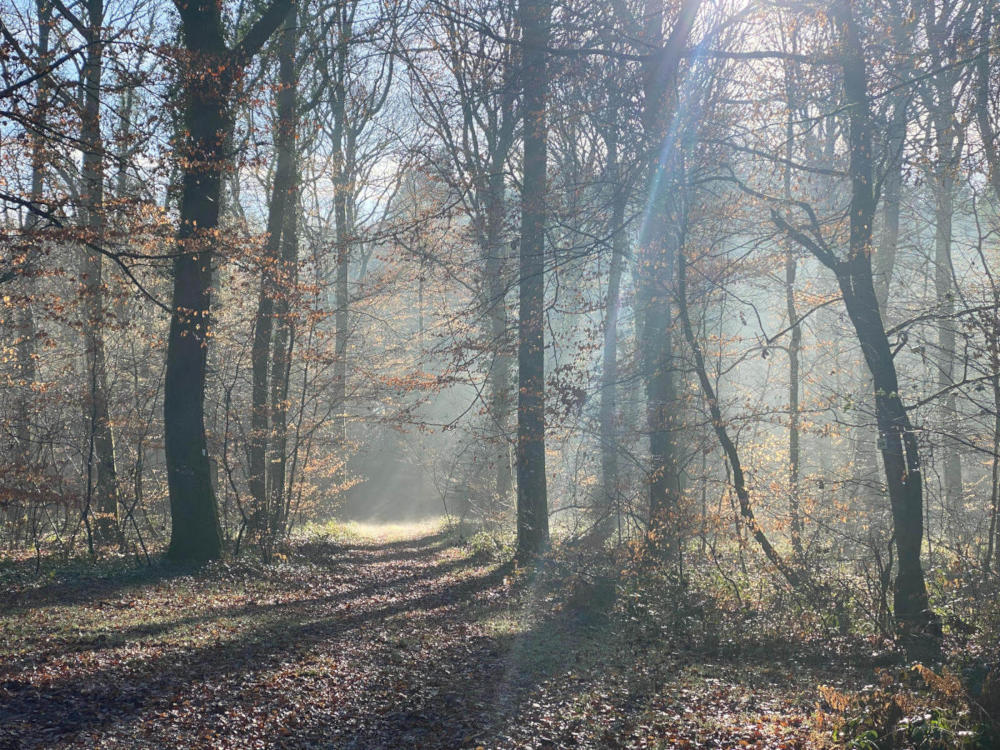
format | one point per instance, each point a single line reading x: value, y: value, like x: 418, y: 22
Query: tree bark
x: 195, y: 531
x: 281, y: 203
x: 497, y: 282
x: 992, y: 539
x: 657, y: 261
x: 795, y: 339
x: 105, y: 489
x: 944, y: 125
x: 281, y: 363
x: 344, y: 230
x: 499, y: 378
x: 865, y: 460
x: 211, y: 72
x: 285, y: 335
x: 532, y: 501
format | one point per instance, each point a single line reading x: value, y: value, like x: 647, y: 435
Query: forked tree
x: 211, y: 70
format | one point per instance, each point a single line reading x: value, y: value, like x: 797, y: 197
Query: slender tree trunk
x: 945, y: 295
x: 25, y: 350
x: 344, y: 230
x: 285, y: 335
x: 885, y: 258
x: 655, y: 269
x: 795, y: 340
x: 497, y: 267
x: 662, y: 420
x: 984, y: 91
x: 98, y: 417
x: 657, y: 260
x: 993, y: 537
x: 281, y: 363
x: 900, y: 457
x: 496, y: 283
x: 341, y: 317
x: 607, y: 427
x: 794, y: 451
x: 281, y: 204
x: 532, y: 501
x: 747, y: 516
x: 865, y: 460
x: 917, y: 623
x: 991, y: 150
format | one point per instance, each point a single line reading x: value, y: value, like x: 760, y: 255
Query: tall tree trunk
x: 496, y: 283
x: 98, y: 418
x: 284, y: 340
x: 195, y: 531
x: 532, y: 501
x: 984, y: 92
x: 866, y: 460
x: 341, y: 321
x: 341, y: 317
x: 945, y: 295
x: 281, y: 204
x: 658, y: 239
x: 917, y: 623
x: 794, y: 453
x: 344, y: 230
x: 991, y: 150
x: 25, y: 350
x: 210, y: 73
x: 794, y: 417
x: 795, y: 340
x: 607, y: 427
x: 281, y: 360
x: 885, y: 258
x: 497, y: 267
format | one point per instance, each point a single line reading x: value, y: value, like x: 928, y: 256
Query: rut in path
x: 373, y: 644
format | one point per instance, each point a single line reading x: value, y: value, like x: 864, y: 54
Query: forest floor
x: 375, y: 641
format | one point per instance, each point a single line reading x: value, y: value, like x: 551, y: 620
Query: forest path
x: 368, y: 643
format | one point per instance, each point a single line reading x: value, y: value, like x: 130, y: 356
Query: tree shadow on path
x: 115, y: 685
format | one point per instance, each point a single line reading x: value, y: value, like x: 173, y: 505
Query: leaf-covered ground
x: 366, y: 643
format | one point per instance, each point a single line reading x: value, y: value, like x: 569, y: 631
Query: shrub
x: 913, y: 708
